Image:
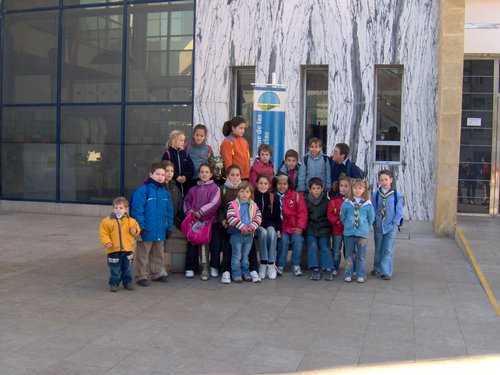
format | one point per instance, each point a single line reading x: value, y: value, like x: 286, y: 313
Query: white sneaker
x: 189, y: 274
x: 214, y: 272
x: 360, y: 280
x: 226, y: 278
x: 334, y: 272
x: 348, y: 279
x: 255, y: 277
x: 262, y: 271
x: 271, y: 271
x: 279, y: 271
x: 297, y: 271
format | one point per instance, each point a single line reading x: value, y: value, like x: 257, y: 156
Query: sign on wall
x: 269, y: 101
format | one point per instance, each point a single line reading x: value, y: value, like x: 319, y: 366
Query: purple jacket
x: 205, y: 198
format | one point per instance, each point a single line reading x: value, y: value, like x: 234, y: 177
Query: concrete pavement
x: 58, y: 317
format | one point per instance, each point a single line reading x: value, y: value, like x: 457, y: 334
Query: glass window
x: 160, y: 52
x: 29, y: 153
x: 147, y: 131
x: 30, y: 58
x: 243, y: 99
x: 92, y: 55
x: 316, y: 105
x: 389, y: 81
x: 86, y: 2
x: 29, y: 4
x: 90, y: 153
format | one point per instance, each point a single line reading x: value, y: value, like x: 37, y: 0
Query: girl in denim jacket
x: 357, y: 215
x: 388, y: 215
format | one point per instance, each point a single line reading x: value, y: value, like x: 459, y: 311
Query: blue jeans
x: 240, y: 247
x: 383, y: 260
x: 355, y: 254
x: 120, y: 267
x: 267, y: 243
x: 336, y: 251
x: 297, y: 242
x: 323, y: 245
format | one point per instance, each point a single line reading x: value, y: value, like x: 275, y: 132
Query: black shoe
x: 143, y: 282
x: 386, y: 277
x: 113, y: 288
x: 128, y: 287
x: 375, y: 273
x: 161, y: 279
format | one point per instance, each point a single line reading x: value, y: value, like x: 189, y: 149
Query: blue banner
x: 269, y: 103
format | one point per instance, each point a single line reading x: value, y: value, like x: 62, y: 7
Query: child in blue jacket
x: 357, y: 215
x: 153, y: 210
x: 388, y: 215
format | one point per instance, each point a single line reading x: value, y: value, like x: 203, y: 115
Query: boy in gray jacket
x: 314, y: 164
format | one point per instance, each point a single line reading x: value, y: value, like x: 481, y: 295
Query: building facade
x: 91, y: 89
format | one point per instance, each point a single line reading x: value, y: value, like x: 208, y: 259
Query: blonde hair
x: 120, y: 200
x: 173, y: 138
x: 359, y: 182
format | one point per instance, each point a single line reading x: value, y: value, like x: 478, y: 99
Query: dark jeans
x: 120, y: 267
x: 192, y: 262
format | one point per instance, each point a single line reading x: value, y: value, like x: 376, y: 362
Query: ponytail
x: 228, y: 126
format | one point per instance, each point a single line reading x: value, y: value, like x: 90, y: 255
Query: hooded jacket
x: 205, y: 198
x: 293, y: 212
x: 317, y: 221
x: 117, y: 232
x: 258, y: 168
x: 333, y: 215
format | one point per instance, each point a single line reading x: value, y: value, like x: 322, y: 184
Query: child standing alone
x: 357, y: 214
x: 117, y: 232
x: 243, y: 218
x: 388, y: 215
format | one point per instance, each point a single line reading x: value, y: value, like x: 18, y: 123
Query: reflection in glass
x: 30, y: 58
x: 29, y: 153
x: 92, y: 55
x: 90, y: 153
x: 160, y: 52
x: 317, y: 105
x: 86, y: 2
x: 388, y: 129
x: 244, y: 101
x: 147, y: 131
x: 28, y: 4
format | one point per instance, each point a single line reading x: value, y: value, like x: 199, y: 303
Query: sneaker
x: 128, y: 287
x: 334, y: 272
x: 375, y: 273
x: 238, y: 279
x: 255, y: 277
x: 328, y: 275
x: 271, y: 271
x: 315, y: 275
x: 348, y: 279
x: 279, y: 271
x: 262, y: 271
x: 161, y: 279
x: 113, y: 288
x: 143, y: 282
x: 247, y: 277
x: 297, y: 271
x: 226, y: 278
x: 214, y: 272
x: 205, y: 275
x: 386, y: 277
x: 360, y: 280
x: 189, y: 274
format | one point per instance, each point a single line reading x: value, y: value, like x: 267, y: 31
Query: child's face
x: 385, y: 181
x: 265, y: 156
x: 205, y: 174
x: 119, y: 210
x: 290, y: 162
x: 358, y: 191
x: 169, y: 173
x: 199, y: 136
x: 263, y: 185
x: 337, y: 156
x: 234, y: 176
x: 244, y: 194
x: 316, y: 190
x: 158, y: 175
x: 180, y: 142
x: 343, y: 187
x: 282, y: 186
x: 240, y: 129
x: 314, y: 149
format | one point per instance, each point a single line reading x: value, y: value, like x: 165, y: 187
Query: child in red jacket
x: 333, y: 214
x: 262, y: 165
x: 294, y: 223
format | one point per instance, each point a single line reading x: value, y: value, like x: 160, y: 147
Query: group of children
x: 322, y: 200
